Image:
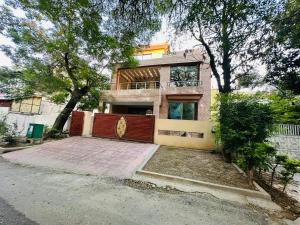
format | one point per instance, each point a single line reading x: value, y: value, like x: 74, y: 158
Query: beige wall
x: 164, y: 79
x: 205, y: 101
x: 204, y: 90
x: 205, y: 127
x: 87, y: 124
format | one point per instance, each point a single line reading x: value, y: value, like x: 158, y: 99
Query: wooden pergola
x: 140, y: 74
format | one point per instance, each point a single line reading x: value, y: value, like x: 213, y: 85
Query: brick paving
x: 103, y: 157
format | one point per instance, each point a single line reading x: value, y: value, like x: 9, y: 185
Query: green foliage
x: 90, y: 101
x: 285, y: 108
x: 277, y: 160
x: 262, y: 155
x: 8, y: 133
x: 3, y: 127
x: 282, y: 54
x: 232, y: 32
x: 62, y: 48
x: 54, y: 134
x: 243, y: 119
x: 244, y: 123
x: 291, y: 167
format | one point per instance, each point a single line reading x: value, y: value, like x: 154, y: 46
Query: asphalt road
x: 10, y: 216
x: 54, y: 198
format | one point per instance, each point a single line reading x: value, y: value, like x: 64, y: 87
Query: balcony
x: 146, y: 91
x: 136, y: 85
x: 184, y: 88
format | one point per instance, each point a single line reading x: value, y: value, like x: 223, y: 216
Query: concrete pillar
x: 204, y: 103
x: 165, y: 72
x: 87, y: 124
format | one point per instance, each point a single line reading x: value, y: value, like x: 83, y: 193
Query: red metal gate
x: 127, y: 127
x: 77, y: 121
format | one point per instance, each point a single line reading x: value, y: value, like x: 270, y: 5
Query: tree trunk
x: 227, y: 156
x: 65, y: 113
x: 273, y: 174
x: 250, y: 172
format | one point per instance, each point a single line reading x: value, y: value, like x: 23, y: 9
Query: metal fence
x: 288, y: 129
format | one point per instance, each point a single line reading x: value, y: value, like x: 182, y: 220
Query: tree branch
x: 69, y: 70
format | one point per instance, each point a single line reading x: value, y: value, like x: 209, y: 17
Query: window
x: 28, y: 105
x: 184, y: 76
x: 182, y: 110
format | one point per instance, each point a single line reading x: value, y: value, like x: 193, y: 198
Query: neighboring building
x: 35, y: 109
x: 175, y: 87
x: 5, y: 104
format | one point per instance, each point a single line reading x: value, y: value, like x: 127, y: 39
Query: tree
x: 12, y: 84
x: 285, y: 108
x: 242, y: 121
x: 291, y: 167
x: 229, y: 31
x: 63, y: 48
x: 282, y: 55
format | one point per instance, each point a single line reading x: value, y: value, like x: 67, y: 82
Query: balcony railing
x: 139, y: 85
x: 195, y: 83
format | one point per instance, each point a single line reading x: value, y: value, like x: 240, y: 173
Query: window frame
x: 195, y: 114
x: 197, y: 65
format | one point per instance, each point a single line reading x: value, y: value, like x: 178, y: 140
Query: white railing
x: 137, y: 85
x: 195, y: 83
x: 288, y: 130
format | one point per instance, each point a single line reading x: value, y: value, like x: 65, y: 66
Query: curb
x: 7, y: 150
x: 241, y: 191
x: 255, y: 184
x: 147, y: 158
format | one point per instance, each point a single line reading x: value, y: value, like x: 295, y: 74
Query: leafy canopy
x: 282, y: 55
x: 231, y: 32
x: 64, y: 48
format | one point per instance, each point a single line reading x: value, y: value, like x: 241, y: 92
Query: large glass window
x: 184, y: 76
x: 182, y: 110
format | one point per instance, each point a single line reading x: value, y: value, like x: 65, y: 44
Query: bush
x: 54, y: 134
x: 291, y: 167
x: 277, y: 160
x: 3, y: 127
x: 244, y: 123
x: 8, y: 133
x: 242, y: 118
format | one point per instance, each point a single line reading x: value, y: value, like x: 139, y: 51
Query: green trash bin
x: 35, y: 131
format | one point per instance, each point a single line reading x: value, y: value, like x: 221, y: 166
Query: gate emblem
x: 121, y: 127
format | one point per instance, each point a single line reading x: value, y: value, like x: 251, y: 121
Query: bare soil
x: 290, y: 206
x: 197, y: 165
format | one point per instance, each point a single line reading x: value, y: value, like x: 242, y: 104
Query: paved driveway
x: 96, y: 156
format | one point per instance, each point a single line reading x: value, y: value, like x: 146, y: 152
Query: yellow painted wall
x: 145, y: 52
x: 205, y: 127
x: 152, y: 49
x: 214, y: 93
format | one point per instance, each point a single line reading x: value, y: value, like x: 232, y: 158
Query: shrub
x: 11, y: 135
x: 244, y: 124
x: 242, y: 119
x: 291, y: 167
x: 256, y: 155
x: 3, y: 127
x: 8, y: 133
x: 53, y: 133
x: 278, y: 160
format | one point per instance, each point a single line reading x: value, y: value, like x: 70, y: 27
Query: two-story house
x: 175, y: 87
